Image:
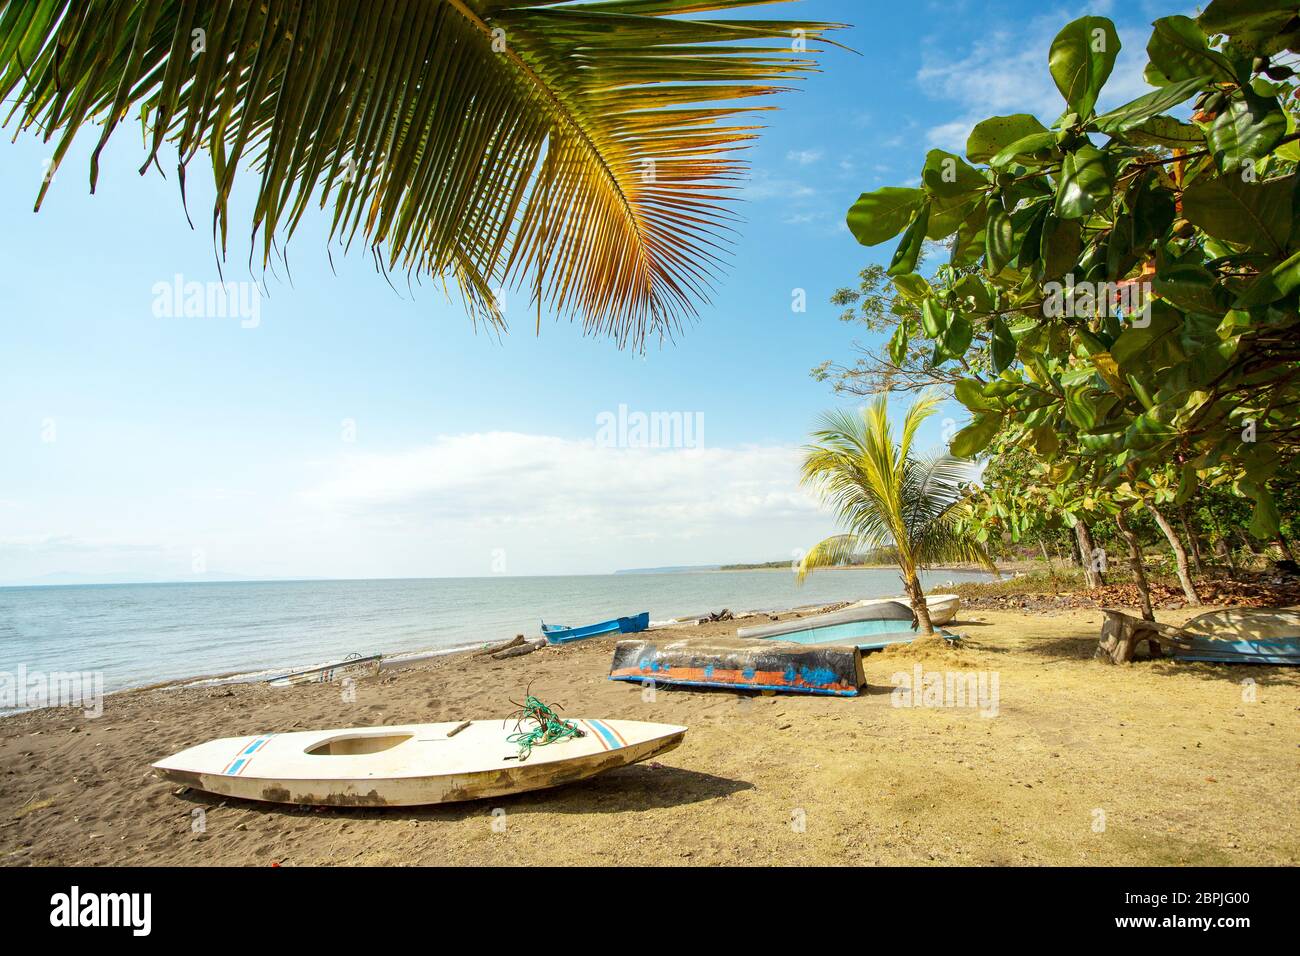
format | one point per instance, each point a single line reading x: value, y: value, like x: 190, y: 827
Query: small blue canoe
x: 560, y: 634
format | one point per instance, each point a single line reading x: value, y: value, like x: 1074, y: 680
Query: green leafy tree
x: 891, y: 502
x: 1132, y: 277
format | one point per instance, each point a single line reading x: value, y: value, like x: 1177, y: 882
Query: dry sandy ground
x: 1085, y: 763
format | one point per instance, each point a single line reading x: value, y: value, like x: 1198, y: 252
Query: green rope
x: 549, y: 729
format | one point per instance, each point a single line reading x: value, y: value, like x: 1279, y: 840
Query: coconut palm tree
x: 582, y: 148
x: 889, y: 500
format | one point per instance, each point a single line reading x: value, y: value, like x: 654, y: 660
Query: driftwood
x: 517, y: 651
x: 1121, y: 633
x: 498, y: 648
x: 714, y: 617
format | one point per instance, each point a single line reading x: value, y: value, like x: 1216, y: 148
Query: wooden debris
x: 515, y: 651
x: 496, y: 649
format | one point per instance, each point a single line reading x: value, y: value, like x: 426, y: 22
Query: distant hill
x: 685, y: 569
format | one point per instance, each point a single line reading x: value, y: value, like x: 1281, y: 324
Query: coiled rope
x: 549, y: 727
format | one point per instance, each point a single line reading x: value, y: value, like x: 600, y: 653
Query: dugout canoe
x: 409, y: 764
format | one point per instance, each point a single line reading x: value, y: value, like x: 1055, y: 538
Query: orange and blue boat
x: 736, y: 664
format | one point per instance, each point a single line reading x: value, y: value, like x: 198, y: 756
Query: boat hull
x: 889, y: 615
x: 741, y: 665
x: 557, y: 634
x: 356, y: 667
x: 428, y: 763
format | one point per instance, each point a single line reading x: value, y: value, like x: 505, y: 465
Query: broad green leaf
x: 1046, y: 441
x: 1024, y: 147
x: 1188, y: 285
x: 934, y: 318
x: 970, y: 393
x: 1085, y: 183
x: 968, y: 245
x: 957, y: 337
x: 999, y: 238
x: 1277, y: 283
x: 1082, y: 57
x: 947, y: 176
x: 1003, y: 346
x: 1165, y: 132
x: 1062, y: 242
x: 1179, y: 51
x: 1243, y: 16
x: 976, y: 436
x: 993, y: 135
x: 909, y: 250
x: 1246, y: 131
x: 898, y: 343
x: 1145, y: 107
x: 1265, y: 521
x: 1253, y: 214
x: 912, y: 286
x: 879, y: 216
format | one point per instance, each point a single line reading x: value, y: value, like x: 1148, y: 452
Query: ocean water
x: 138, y: 634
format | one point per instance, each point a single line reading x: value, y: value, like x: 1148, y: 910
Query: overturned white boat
x: 879, y: 616
x: 409, y: 764
x: 354, y: 665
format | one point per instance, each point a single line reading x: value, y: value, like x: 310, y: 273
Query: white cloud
x: 576, y: 500
x: 764, y: 186
x: 1005, y: 71
x: 804, y: 157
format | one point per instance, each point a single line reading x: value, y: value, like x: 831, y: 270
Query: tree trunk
x: 1191, y: 540
x: 1180, y: 556
x: 1135, y: 562
x: 1091, y: 575
x: 1042, y: 546
x: 1285, y: 547
x: 922, y: 610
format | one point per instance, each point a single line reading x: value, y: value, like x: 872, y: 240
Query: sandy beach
x: 1153, y: 763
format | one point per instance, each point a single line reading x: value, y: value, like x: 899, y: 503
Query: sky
x: 348, y: 430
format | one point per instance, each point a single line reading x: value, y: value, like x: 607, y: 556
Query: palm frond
x: 584, y: 148
x: 831, y: 552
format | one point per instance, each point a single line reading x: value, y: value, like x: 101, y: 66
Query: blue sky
x: 356, y: 432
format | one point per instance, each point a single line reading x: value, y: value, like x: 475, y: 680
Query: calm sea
x: 138, y: 634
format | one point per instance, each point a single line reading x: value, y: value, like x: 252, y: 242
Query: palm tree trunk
x: 1180, y: 556
x: 1091, y: 575
x: 922, y: 610
x: 1135, y: 562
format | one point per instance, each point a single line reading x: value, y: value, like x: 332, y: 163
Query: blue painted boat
x: 560, y: 634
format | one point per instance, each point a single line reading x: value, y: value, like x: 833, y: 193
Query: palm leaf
x: 584, y: 148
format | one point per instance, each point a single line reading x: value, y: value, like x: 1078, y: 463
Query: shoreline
x: 1186, y: 771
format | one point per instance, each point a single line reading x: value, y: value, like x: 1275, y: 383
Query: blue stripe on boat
x: 604, y: 732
